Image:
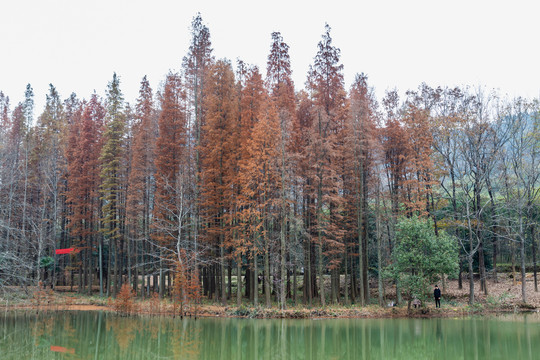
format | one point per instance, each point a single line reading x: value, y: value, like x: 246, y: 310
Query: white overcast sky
x: 77, y: 45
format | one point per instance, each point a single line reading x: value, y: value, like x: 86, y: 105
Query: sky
x: 77, y: 45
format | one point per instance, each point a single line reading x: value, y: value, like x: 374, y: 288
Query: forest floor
x: 503, y: 297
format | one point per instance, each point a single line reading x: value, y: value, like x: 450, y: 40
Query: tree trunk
x: 239, y: 281
x: 307, y: 274
x: 471, y: 280
x: 222, y: 266
x: 255, y: 280
x: 161, y: 276
x: 533, y: 240
x: 109, y: 267
x: 495, y: 243
x: 267, y: 287
x: 482, y: 268
x: 346, y: 284
x: 320, y: 271
x: 379, y: 248
x: 229, y: 280
x: 513, y: 257
x: 283, y: 269
x: 522, y: 256
x: 295, y: 286
x: 359, y: 224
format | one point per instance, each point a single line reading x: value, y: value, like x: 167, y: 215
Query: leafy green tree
x: 421, y: 257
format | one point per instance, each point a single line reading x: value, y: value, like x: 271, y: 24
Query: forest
x: 227, y: 183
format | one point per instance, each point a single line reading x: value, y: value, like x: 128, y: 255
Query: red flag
x: 64, y: 251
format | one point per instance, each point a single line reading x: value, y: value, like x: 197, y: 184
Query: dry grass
x: 505, y: 291
x: 502, y: 296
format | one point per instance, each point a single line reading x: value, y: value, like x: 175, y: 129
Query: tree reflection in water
x: 96, y: 335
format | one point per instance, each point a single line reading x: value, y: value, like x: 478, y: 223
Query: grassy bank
x: 503, y: 297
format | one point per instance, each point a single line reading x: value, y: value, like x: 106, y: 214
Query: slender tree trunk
x: 495, y: 253
x: 161, y: 276
x: 229, y: 280
x: 295, y: 285
x: 482, y: 268
x: 222, y: 264
x: 470, y: 261
x: 379, y: 248
x: 360, y: 253
x: 308, y: 291
x: 481, y: 262
x: 136, y: 269
x: 255, y: 280
x: 471, y: 281
x: 513, y: 262
x: 533, y: 240
x: 129, y: 279
x: 116, y: 267
x: 365, y: 245
x: 109, y: 267
x: 239, y: 281
x: 267, y: 287
x: 346, y: 284
x: 522, y: 256
x: 283, y: 250
x: 90, y: 266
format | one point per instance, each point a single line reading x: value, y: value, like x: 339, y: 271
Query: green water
x: 98, y: 335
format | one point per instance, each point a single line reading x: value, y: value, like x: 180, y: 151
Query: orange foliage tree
x: 325, y: 81
x: 84, y: 147
x: 171, y: 177
x: 360, y: 143
x: 281, y: 89
x: 217, y: 163
x: 260, y: 179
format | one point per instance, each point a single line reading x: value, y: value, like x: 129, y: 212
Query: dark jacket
x: 437, y: 293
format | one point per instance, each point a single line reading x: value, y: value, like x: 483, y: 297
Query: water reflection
x: 96, y: 335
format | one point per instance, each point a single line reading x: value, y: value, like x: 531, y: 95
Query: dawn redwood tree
x: 217, y: 161
x: 360, y: 141
x: 325, y: 82
x: 83, y: 169
x: 170, y: 214
x: 281, y: 89
x: 196, y: 66
x: 260, y: 180
x: 419, y: 176
x: 303, y: 198
x: 141, y: 179
x: 111, y: 177
x: 243, y: 237
x: 264, y: 166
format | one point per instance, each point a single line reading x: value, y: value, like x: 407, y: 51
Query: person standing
x: 437, y: 295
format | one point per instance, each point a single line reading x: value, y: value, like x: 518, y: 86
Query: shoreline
x: 329, y: 312
x: 504, y: 298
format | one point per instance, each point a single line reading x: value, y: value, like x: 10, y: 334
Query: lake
x: 100, y: 335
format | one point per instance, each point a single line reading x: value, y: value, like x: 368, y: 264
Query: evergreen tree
x: 111, y: 172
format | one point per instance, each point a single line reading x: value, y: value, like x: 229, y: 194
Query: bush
x: 124, y: 303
